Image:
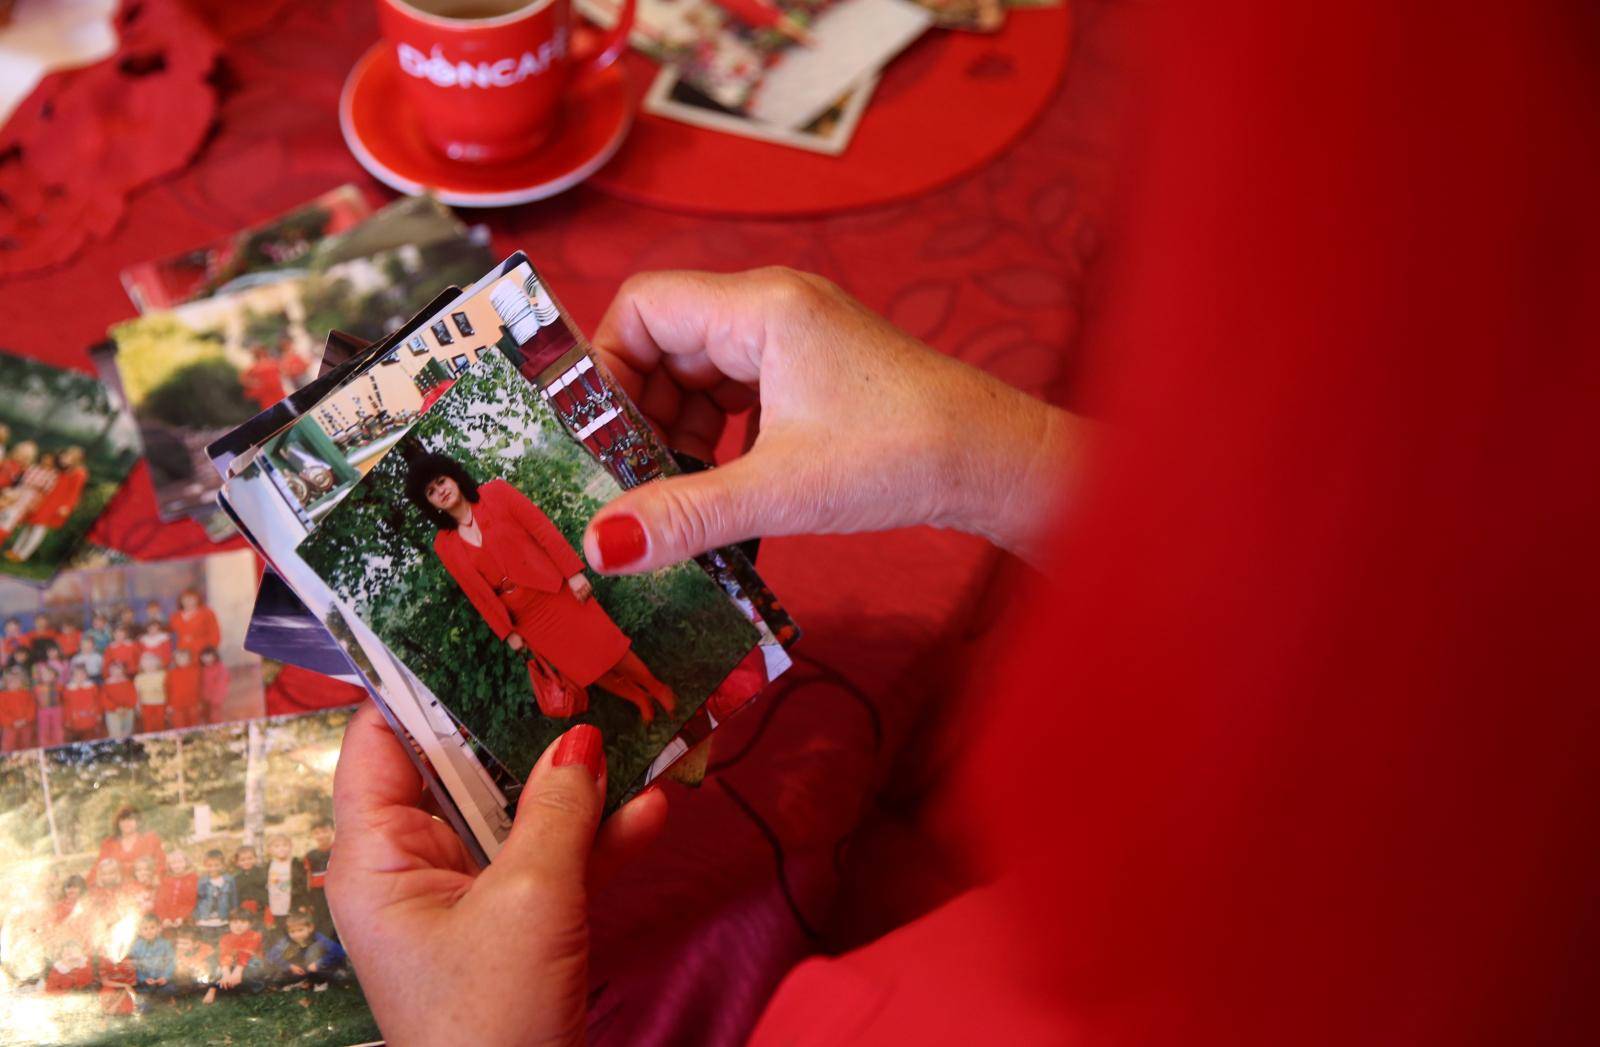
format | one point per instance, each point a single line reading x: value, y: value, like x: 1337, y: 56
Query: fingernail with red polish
x: 621, y: 540
x: 582, y: 745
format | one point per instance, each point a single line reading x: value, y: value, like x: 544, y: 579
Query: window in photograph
x: 460, y: 363
x: 417, y: 344
x: 441, y: 332
x: 463, y: 324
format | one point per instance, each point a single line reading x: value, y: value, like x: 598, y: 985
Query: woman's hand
x: 580, y: 586
x: 419, y: 919
x: 862, y: 427
x: 516, y: 642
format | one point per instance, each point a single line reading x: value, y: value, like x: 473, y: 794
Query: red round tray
x: 945, y: 107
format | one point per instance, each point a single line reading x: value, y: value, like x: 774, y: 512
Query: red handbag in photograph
x: 556, y: 695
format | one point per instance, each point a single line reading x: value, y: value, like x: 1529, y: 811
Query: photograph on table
x: 128, y: 648
x: 783, y: 63
x: 277, y: 243
x: 65, y: 449
x: 460, y: 550
x: 672, y: 97
x: 193, y: 373
x: 172, y: 887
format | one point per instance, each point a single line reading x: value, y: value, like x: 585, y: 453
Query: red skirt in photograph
x: 579, y: 639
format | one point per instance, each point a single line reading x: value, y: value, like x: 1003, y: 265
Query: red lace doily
x: 86, y: 138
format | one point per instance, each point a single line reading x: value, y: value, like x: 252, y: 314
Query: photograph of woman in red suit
x: 194, y: 625
x: 527, y: 583
x: 126, y: 844
x: 54, y: 507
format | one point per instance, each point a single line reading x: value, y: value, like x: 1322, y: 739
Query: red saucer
x: 595, y: 116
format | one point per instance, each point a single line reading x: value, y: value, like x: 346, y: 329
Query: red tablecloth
x: 989, y: 269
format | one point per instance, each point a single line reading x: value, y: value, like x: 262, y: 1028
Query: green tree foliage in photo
x: 376, y: 551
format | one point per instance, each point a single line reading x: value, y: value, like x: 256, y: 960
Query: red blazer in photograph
x: 58, y: 502
x: 196, y: 630
x: 533, y: 551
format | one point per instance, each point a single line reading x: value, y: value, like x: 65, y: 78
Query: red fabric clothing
x: 161, y: 648
x: 195, y: 630
x: 125, y: 654
x: 175, y: 897
x: 142, y: 845
x: 152, y: 718
x: 61, y: 499
x: 263, y: 382
x: 70, y: 641
x: 183, y: 687
x: 116, y: 986
x: 119, y: 694
x: 16, y: 705
x: 10, y: 469
x: 517, y: 581
x: 82, y: 706
x: 237, y: 950
x: 214, y: 686
x: 69, y: 981
x: 1302, y: 750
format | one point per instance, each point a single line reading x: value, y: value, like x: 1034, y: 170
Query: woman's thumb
x: 665, y: 521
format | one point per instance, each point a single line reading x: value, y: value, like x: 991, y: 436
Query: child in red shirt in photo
x: 122, y: 650
x: 157, y: 641
x: 238, y: 953
x: 71, y: 971
x: 17, y: 711
x: 81, y: 700
x: 119, y: 698
x: 183, y: 690
x: 194, y: 625
x: 214, y: 685
x: 178, y: 892
x: 69, y: 638
x: 194, y: 961
x: 117, y: 979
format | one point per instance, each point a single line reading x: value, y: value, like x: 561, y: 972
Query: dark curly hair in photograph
x: 426, y: 468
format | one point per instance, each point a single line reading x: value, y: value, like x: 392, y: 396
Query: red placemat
x: 947, y: 106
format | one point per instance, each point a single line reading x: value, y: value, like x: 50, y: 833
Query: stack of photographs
x: 231, y: 329
x: 423, y: 503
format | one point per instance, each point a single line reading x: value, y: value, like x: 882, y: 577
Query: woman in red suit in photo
x: 55, y: 507
x: 126, y: 844
x: 194, y: 625
x: 520, y: 574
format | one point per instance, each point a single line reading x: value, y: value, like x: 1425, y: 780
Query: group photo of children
x: 171, y: 877
x: 64, y: 450
x: 130, y: 648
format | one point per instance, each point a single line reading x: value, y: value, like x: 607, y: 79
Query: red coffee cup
x: 484, y: 79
